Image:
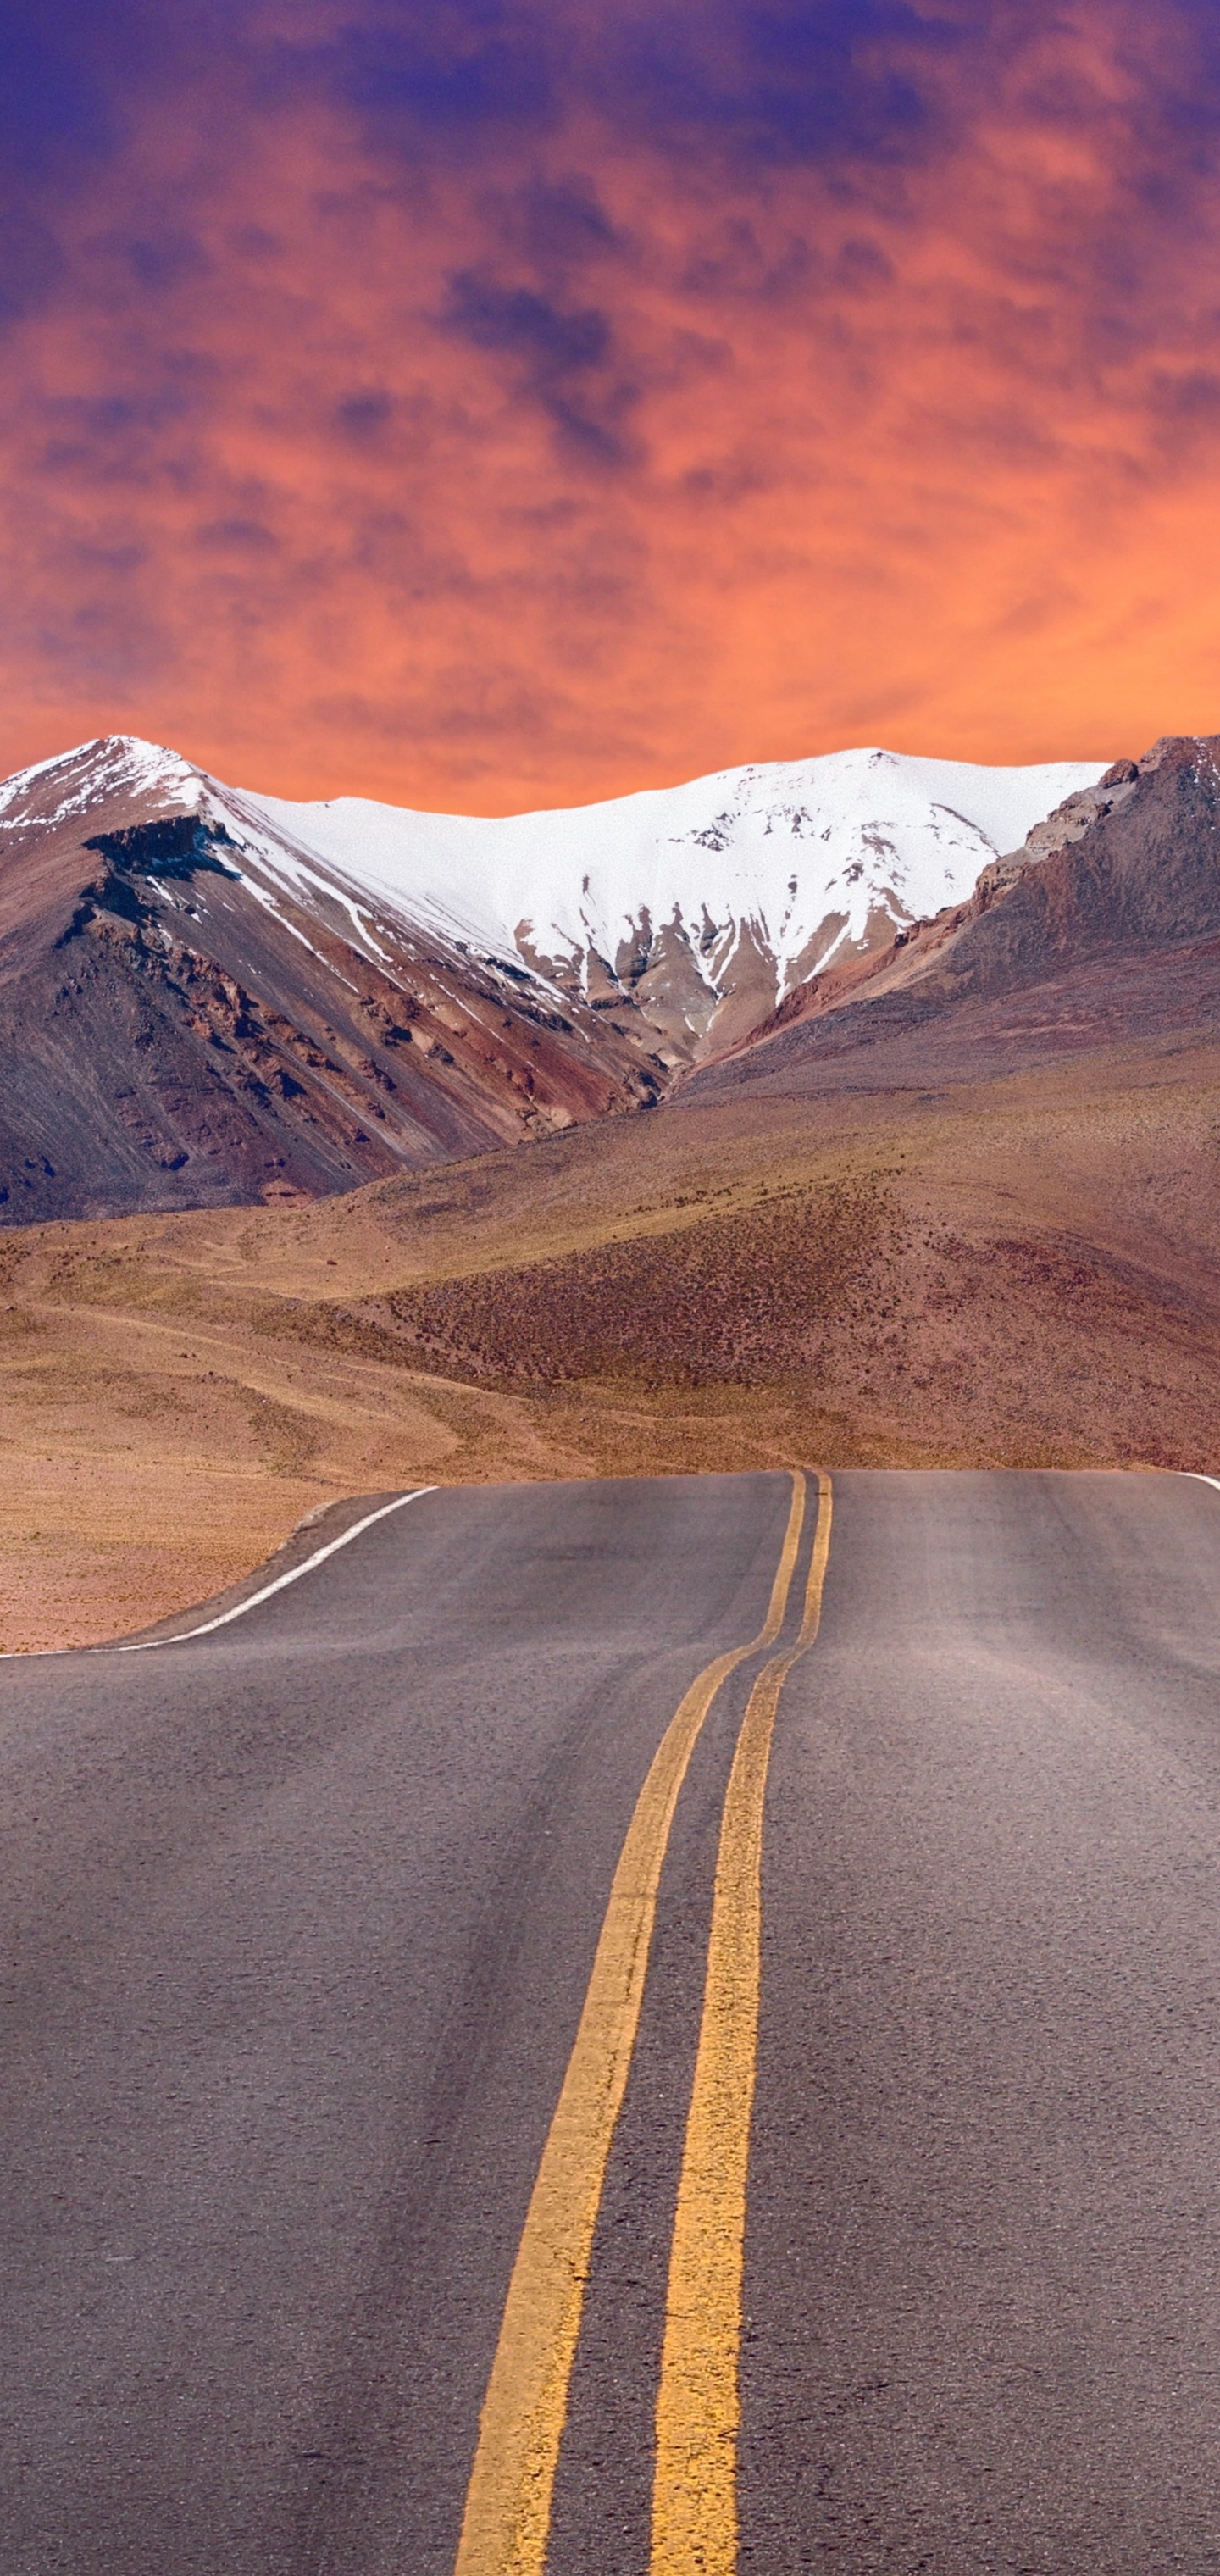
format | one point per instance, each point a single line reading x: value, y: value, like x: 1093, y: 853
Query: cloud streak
x: 493, y: 404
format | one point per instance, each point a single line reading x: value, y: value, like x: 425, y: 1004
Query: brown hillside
x: 177, y: 1033
x: 1010, y: 1270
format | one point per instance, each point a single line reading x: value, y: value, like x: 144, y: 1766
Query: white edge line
x: 143, y: 1644
x: 1199, y: 1477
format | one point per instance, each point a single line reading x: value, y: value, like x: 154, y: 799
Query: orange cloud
x: 603, y: 442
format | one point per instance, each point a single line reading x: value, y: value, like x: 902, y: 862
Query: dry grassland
x: 1016, y: 1273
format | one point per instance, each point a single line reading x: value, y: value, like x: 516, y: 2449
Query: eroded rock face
x: 1135, y: 859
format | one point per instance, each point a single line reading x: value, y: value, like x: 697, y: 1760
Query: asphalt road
x: 301, y: 1922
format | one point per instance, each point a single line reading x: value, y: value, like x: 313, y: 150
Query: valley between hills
x: 887, y: 1186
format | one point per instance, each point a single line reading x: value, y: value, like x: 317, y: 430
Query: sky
x: 486, y: 404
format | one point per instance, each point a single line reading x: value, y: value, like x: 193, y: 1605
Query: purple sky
x: 489, y: 405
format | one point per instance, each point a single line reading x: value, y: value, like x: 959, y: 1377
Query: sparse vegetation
x: 1013, y: 1273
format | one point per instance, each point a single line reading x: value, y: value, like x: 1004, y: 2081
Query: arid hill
x: 1008, y: 1271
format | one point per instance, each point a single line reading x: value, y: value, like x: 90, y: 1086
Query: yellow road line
x: 694, y: 2504
x: 508, y: 2502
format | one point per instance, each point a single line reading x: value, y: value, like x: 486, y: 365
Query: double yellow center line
x: 508, y: 2503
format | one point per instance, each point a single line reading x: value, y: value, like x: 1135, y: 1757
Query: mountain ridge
x: 208, y: 996
x: 1105, y: 924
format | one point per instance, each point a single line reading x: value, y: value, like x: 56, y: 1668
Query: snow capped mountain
x: 699, y: 906
x: 209, y: 996
x: 801, y: 857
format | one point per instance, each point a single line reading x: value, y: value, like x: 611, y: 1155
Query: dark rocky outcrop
x: 175, y: 845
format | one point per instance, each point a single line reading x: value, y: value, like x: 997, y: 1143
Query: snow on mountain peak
x: 52, y: 791
x: 797, y: 856
x: 698, y: 905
